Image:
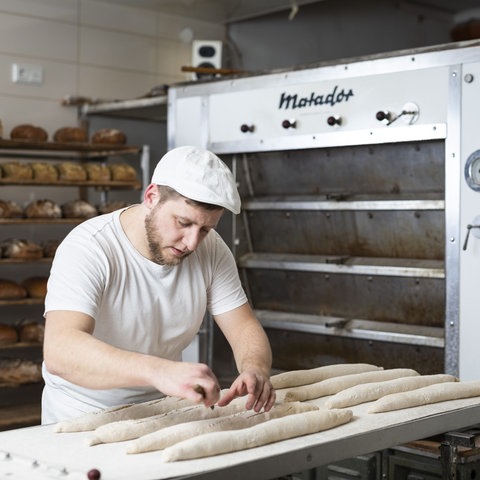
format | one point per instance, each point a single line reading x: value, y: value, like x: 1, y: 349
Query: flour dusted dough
x: 91, y: 421
x: 265, y: 433
x: 129, y: 429
x: 296, y: 378
x: 168, y: 436
x: 424, y: 396
x: 368, y: 392
x: 334, y: 385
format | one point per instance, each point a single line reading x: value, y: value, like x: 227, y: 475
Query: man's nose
x: 192, y: 239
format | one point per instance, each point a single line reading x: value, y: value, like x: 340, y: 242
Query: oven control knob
x: 334, y: 120
x: 382, y: 115
x: 247, y: 128
x: 289, y: 124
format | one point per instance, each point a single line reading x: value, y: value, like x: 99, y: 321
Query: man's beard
x: 154, y: 241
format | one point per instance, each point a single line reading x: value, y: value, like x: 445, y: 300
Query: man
x: 128, y: 292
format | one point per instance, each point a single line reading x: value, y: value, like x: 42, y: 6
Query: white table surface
x: 37, y: 453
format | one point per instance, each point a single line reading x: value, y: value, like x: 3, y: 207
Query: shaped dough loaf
x: 265, y: 433
x: 295, y: 378
x: 368, y: 392
x: 91, y: 421
x: 168, y: 436
x: 424, y: 396
x: 129, y: 429
x: 331, y: 386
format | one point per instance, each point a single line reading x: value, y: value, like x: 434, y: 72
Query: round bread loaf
x: 122, y: 172
x: 16, y: 171
x: 43, y: 209
x: 50, y: 247
x: 10, y: 290
x: 32, y: 332
x: 20, y: 248
x: 79, y: 209
x: 10, y: 209
x: 36, y: 287
x: 29, y: 132
x: 19, y: 371
x: 70, y: 135
x: 44, y: 172
x: 71, y: 171
x: 107, y: 207
x: 109, y: 136
x: 8, y: 334
x: 97, y: 172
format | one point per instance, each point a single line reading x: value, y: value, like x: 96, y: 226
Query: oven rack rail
x: 373, y: 266
x: 353, y: 328
x: 344, y: 202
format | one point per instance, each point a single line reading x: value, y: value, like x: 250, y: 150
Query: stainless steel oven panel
x: 316, y: 207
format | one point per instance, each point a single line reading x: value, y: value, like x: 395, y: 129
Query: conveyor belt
x: 37, y: 453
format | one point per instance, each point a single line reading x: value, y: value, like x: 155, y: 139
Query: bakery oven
x: 360, y: 184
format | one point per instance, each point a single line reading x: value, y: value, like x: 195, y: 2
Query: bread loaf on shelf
x: 29, y: 132
x: 31, y: 332
x: 79, y: 209
x: 109, y: 136
x: 50, y: 247
x: 16, y: 171
x: 43, y: 208
x: 36, y: 287
x: 22, y: 249
x: 44, y: 172
x: 10, y: 209
x: 71, y: 171
x: 18, y: 371
x: 97, y: 172
x: 108, y: 207
x: 70, y: 135
x: 8, y: 334
x: 122, y: 172
x: 10, y: 290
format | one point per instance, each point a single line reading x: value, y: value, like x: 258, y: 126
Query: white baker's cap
x: 200, y: 175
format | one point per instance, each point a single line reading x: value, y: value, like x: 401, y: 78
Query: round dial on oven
x: 472, y: 171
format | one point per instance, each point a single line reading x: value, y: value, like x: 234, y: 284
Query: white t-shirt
x: 137, y: 304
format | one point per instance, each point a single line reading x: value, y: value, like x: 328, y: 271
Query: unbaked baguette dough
x: 334, y: 385
x: 265, y: 433
x: 424, y: 396
x: 129, y: 429
x: 91, y: 421
x: 368, y: 392
x: 168, y: 436
x: 296, y: 378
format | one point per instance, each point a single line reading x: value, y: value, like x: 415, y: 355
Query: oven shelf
x: 343, y: 202
x: 353, y: 328
x: 394, y: 267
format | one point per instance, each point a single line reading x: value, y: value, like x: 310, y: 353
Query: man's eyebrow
x: 189, y: 220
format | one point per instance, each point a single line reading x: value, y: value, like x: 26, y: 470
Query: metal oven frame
x: 242, y: 115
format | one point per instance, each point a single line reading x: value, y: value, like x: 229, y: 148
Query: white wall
x: 87, y: 48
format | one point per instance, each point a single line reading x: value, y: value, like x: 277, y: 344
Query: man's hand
x: 193, y: 381
x: 257, y: 386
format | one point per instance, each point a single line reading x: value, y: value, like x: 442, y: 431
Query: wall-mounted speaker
x: 206, y: 54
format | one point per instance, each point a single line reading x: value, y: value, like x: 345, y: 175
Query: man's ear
x: 151, y: 196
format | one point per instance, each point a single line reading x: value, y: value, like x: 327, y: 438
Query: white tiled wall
x: 87, y: 48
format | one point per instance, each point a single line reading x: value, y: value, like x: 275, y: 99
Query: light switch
x: 25, y: 73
